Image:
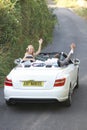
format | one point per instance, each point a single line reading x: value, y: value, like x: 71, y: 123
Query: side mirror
x: 76, y: 61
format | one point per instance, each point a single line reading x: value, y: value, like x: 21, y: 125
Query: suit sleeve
x: 66, y: 60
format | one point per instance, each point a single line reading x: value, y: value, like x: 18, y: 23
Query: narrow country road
x: 70, y: 28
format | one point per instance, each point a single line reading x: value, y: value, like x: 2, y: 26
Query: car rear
x: 36, y: 84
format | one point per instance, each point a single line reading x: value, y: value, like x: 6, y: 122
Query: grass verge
x: 82, y: 11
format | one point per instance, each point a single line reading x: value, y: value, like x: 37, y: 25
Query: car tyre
x: 77, y: 85
x: 68, y: 102
x: 9, y: 103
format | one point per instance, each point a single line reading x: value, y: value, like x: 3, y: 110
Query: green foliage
x: 8, y: 23
x: 81, y: 11
x: 9, y: 34
x: 22, y: 22
x: 39, y: 21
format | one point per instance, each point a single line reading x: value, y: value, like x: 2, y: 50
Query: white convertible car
x: 42, y: 80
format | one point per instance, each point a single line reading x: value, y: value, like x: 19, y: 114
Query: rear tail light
x: 59, y: 82
x: 8, y: 82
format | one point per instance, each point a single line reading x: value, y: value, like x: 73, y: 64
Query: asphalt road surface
x: 54, y: 116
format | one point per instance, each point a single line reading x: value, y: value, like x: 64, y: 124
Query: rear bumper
x: 22, y: 100
x: 58, y: 94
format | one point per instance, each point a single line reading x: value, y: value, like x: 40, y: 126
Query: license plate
x: 33, y: 83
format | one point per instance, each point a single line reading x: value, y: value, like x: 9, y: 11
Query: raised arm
x: 72, y: 46
x: 39, y: 48
x: 66, y: 60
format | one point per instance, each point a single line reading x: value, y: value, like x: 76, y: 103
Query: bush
x: 39, y: 19
x: 22, y: 22
x: 9, y: 24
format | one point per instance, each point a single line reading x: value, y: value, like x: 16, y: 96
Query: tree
x: 37, y: 20
x: 22, y: 22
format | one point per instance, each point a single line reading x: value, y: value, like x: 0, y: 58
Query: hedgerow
x: 22, y: 22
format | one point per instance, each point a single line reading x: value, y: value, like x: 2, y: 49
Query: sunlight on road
x: 51, y: 4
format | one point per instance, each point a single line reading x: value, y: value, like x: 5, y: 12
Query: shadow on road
x: 38, y: 107
x: 78, y: 97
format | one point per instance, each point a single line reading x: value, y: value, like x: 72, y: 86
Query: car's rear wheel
x: 9, y: 103
x: 68, y: 102
x: 77, y: 85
